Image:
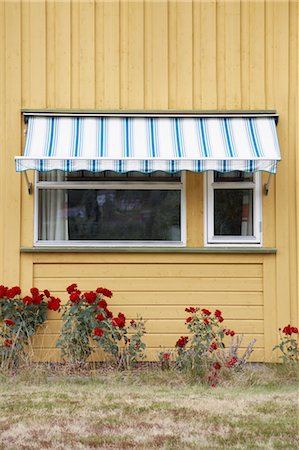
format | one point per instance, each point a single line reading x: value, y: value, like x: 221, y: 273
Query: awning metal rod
x: 267, y: 185
x: 29, y: 184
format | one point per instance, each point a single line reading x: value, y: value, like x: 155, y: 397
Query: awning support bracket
x: 29, y: 184
x: 267, y: 185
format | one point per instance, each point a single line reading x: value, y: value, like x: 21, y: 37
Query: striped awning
x: 148, y: 144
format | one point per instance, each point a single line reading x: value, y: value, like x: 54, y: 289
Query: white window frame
x: 233, y: 241
x: 152, y: 185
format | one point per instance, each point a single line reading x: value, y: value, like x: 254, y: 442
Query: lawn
x: 148, y: 410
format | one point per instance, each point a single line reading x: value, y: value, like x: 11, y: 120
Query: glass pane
x: 233, y: 212
x: 109, y: 215
x: 232, y: 176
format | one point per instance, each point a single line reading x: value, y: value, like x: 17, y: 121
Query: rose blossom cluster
x: 289, y: 330
x: 36, y: 298
x: 92, y: 298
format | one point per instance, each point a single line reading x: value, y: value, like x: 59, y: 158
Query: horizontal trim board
x: 245, y: 250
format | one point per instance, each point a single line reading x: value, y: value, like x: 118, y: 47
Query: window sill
x: 245, y: 250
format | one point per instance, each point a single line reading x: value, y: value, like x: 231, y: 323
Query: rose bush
x: 21, y: 318
x: 288, y: 344
x: 205, y: 351
x: 87, y: 320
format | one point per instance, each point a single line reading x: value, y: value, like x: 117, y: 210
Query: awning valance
x: 148, y: 144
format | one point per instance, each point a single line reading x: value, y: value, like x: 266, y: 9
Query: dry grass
x: 149, y: 410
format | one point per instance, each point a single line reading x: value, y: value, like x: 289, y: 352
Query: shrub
x: 21, y: 319
x: 205, y: 353
x: 288, y: 344
x: 88, y: 321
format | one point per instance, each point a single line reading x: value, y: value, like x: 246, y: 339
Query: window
x: 106, y: 209
x: 233, y: 207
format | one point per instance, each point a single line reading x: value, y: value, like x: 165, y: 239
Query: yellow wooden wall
x: 183, y: 54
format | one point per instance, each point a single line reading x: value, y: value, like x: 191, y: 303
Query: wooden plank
x: 156, y: 55
x: 75, y: 58
x: 245, y: 53
x: 107, y: 54
x: 215, y: 299
x: 54, y: 355
x: 294, y: 168
x: 204, y: 55
x: 177, y: 311
x: 194, y: 205
x: 131, y: 55
x: 257, y: 55
x: 221, y: 55
x: 2, y: 133
x: 232, y: 55
x: 147, y: 270
x: 62, y: 42
x: 270, y: 309
x: 180, y: 54
x: 12, y: 145
x: 26, y: 274
x: 157, y: 284
x: 178, y: 326
x: 87, y: 52
x: 131, y: 258
x: 47, y: 341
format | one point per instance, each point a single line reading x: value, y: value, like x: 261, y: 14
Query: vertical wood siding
x: 172, y: 54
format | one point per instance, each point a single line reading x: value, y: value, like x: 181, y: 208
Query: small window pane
x: 232, y: 176
x: 233, y: 212
x: 98, y: 214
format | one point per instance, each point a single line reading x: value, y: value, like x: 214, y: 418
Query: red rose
x: 231, y: 362
x: 213, y: 346
x: 34, y: 291
x: 7, y: 343
x: 98, y: 332
x: 54, y: 304
x: 119, y: 321
x: 191, y: 310
x: 27, y: 300
x: 72, y: 288
x: 75, y: 297
x: 9, y: 322
x: 217, y: 365
x: 220, y: 319
x: 206, y: 312
x: 11, y: 293
x: 37, y: 299
x: 100, y: 317
x: 182, y: 341
x: 189, y: 319
x: 133, y: 323
x: 217, y: 313
x: 166, y: 355
x: 108, y: 314
x: 232, y: 333
x: 102, y: 304
x: 104, y: 292
x: 206, y: 321
x: 287, y: 330
x: 47, y: 293
x: 294, y: 330
x: 3, y: 290
x: 90, y: 297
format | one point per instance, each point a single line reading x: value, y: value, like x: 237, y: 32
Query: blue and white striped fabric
x: 148, y: 144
